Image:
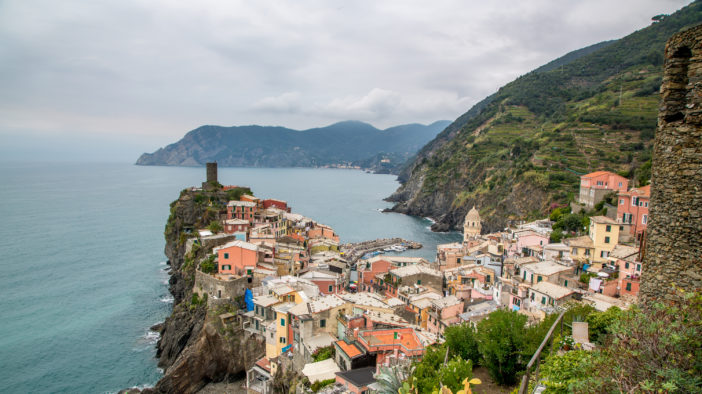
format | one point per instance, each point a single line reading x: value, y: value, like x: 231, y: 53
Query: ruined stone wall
x: 673, y: 254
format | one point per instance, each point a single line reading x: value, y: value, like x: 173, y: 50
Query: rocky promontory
x: 196, y: 346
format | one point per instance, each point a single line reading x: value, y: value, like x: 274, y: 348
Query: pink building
x: 243, y: 210
x: 232, y: 226
x: 526, y: 240
x: 237, y: 258
x: 367, y: 272
x: 595, y: 185
x: 632, y: 210
x: 444, y: 313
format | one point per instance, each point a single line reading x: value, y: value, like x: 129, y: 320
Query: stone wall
x: 673, y: 250
x: 215, y: 288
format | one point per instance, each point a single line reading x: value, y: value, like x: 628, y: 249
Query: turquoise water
x: 83, y: 267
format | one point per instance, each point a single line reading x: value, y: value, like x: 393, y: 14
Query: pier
x: 354, y: 251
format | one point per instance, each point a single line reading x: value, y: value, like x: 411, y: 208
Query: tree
x: 425, y: 371
x: 461, y: 342
x: 501, y: 341
x: 215, y: 226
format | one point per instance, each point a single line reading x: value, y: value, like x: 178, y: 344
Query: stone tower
x: 212, y: 172
x: 673, y: 250
x: 472, y: 224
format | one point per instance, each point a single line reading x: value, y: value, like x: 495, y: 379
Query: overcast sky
x: 112, y: 79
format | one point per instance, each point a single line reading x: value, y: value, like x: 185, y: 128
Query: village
x: 337, y: 316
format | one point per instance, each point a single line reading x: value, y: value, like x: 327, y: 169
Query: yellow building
x: 282, y: 328
x: 604, y: 233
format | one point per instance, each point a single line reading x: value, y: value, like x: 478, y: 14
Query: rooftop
x: 359, y: 377
x: 552, y: 290
x: 405, y: 338
x: 241, y: 204
x: 415, y: 270
x: 602, y: 220
x: 237, y: 244
x: 265, y: 300
x: 446, y: 302
x: 284, y: 308
x: 349, y: 348
x: 580, y: 242
x: 325, y: 303
x: 365, y: 299
x: 624, y: 252
x: 546, y: 268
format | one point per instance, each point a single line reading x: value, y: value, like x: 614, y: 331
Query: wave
x: 151, y: 337
x: 167, y: 299
x: 163, y: 263
x: 430, y: 219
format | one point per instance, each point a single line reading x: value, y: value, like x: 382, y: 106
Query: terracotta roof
x: 264, y: 363
x: 349, y: 348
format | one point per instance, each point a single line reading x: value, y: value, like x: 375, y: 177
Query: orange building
x: 391, y: 343
x: 322, y: 231
x: 595, y: 185
x: 237, y: 258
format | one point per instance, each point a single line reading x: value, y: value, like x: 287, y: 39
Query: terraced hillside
x: 520, y: 151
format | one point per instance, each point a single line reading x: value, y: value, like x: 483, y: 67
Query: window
x: 543, y: 300
x: 532, y: 278
x: 419, y: 281
x: 566, y: 283
x: 524, y: 275
x: 628, y: 286
x: 638, y: 267
x: 331, y: 288
x: 587, y: 252
x: 626, y: 265
x: 538, y: 279
x: 226, y: 255
x: 323, y: 323
x: 644, y: 219
x: 621, y: 201
x: 532, y: 296
x: 608, y: 228
x: 606, y: 240
x: 575, y: 251
x: 604, y: 253
x: 646, y: 204
x: 620, y: 184
x: 282, y: 339
x: 634, y: 201
x: 282, y: 322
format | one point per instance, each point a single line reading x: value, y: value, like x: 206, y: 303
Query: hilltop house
x: 595, y: 185
x: 237, y: 258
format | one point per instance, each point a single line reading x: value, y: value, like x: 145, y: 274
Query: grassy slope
x: 523, y: 150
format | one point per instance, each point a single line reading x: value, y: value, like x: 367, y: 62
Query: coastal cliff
x: 196, y: 346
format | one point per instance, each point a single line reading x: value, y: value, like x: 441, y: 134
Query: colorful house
x: 237, y: 258
x: 243, y: 210
x: 595, y: 185
x: 604, y: 233
x: 238, y: 227
x: 387, y: 344
x: 632, y: 211
x: 368, y: 270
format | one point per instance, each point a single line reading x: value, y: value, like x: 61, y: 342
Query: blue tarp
x: 248, y: 300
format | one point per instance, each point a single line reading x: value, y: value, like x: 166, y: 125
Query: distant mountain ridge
x: 519, y: 152
x: 351, y: 143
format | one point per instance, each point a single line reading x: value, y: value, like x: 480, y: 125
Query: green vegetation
x: 196, y: 301
x: 653, y: 350
x: 208, y: 265
x: 524, y: 148
x: 324, y: 353
x: 215, y: 226
x: 318, y: 385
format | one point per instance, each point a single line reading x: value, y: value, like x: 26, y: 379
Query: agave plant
x: 394, y: 380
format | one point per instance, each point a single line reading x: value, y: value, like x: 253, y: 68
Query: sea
x: 83, y: 274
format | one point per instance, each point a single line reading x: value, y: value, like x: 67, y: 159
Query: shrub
x: 318, y: 385
x: 323, y: 353
x: 502, y: 343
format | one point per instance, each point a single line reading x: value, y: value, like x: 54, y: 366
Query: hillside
x: 344, y: 143
x: 520, y: 151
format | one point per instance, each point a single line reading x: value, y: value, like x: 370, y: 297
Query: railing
x: 536, y: 358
